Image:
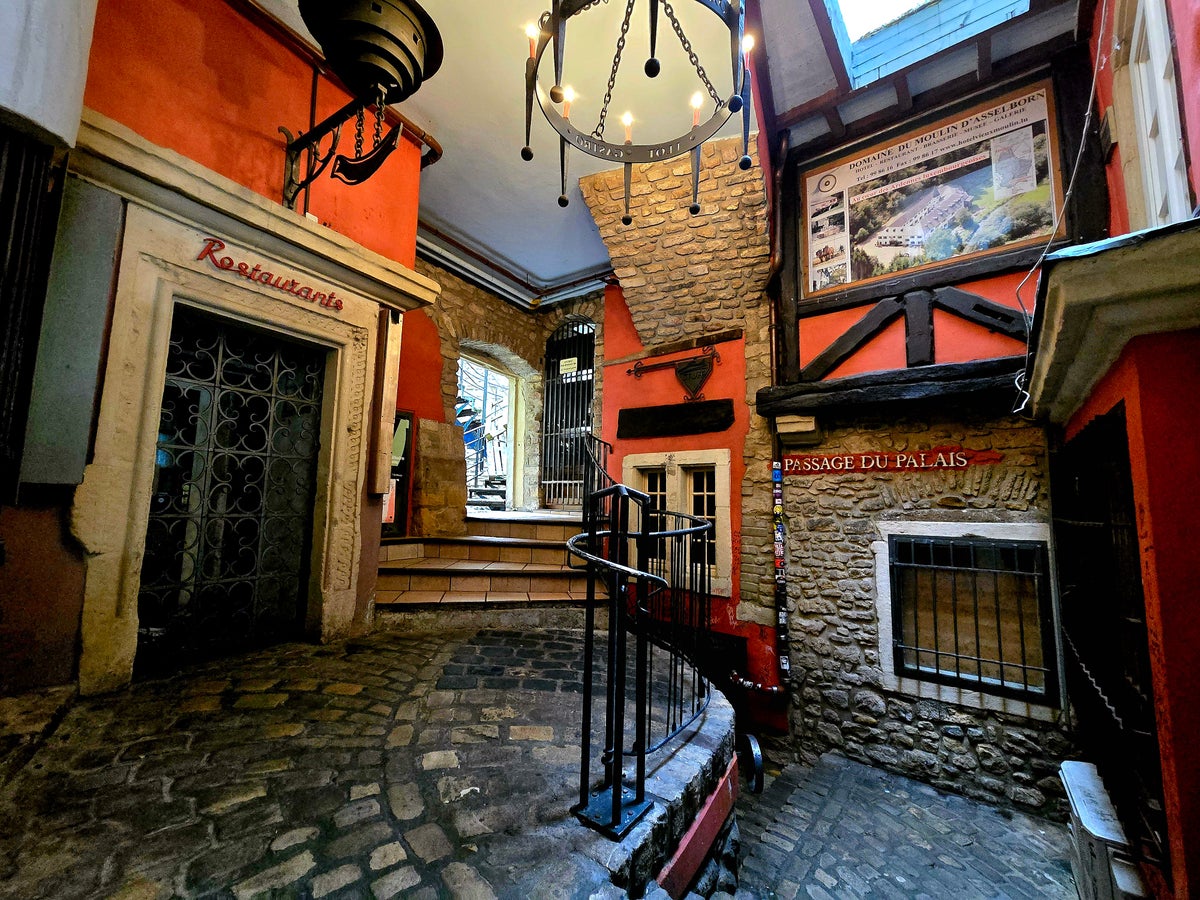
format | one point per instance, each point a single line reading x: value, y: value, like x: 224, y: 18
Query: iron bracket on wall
x: 352, y: 170
x: 693, y: 372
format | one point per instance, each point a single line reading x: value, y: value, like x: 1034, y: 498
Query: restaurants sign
x: 888, y: 461
x: 255, y: 271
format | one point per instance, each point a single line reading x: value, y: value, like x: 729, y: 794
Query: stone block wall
x: 469, y: 318
x: 686, y: 276
x: 1005, y: 753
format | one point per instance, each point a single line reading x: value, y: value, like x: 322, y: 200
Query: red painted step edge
x: 681, y: 868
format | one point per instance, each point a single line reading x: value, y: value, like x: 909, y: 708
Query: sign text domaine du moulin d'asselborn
x: 888, y: 461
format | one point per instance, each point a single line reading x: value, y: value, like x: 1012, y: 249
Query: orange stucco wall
x: 420, y: 386
x: 200, y: 78
x: 1158, y: 378
x: 728, y: 381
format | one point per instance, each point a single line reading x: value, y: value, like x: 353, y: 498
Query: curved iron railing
x: 654, y: 565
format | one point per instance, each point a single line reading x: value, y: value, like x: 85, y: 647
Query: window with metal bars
x: 974, y: 613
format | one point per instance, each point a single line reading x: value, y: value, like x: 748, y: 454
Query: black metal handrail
x: 654, y: 565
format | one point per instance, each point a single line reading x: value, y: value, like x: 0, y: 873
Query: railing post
x: 670, y: 608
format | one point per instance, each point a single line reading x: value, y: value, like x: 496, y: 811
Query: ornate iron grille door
x: 227, y: 545
x: 567, y: 417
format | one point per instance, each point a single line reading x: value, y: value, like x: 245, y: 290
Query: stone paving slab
x: 420, y: 766
x: 844, y: 830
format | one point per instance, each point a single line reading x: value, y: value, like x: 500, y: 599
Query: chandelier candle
x: 551, y: 33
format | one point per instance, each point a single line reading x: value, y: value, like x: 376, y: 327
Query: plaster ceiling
x: 494, y: 218
x: 486, y: 211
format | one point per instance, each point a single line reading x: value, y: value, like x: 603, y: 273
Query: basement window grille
x: 974, y: 613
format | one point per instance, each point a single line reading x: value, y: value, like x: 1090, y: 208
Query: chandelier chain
x: 379, y: 103
x: 358, y: 131
x: 598, y: 133
x: 692, y: 57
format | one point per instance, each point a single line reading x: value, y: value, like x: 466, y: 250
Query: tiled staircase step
x: 394, y: 600
x: 556, y: 528
x: 482, y: 549
x: 467, y: 575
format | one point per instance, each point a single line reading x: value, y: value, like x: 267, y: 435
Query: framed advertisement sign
x: 970, y: 184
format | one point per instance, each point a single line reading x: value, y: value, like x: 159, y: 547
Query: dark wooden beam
x: 790, y: 117
x: 918, y: 328
x: 853, y: 338
x: 1087, y: 213
x: 983, y: 65
x: 981, y: 311
x: 837, y: 128
x: 825, y: 29
x: 993, y: 376
x: 765, y: 107
x: 788, y: 334
x: 904, y: 100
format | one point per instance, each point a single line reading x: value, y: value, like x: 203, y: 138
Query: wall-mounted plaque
x: 966, y: 185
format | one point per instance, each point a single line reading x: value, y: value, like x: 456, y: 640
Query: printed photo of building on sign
x: 963, y: 187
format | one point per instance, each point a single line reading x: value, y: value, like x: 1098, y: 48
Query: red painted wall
x: 1185, y: 24
x: 1158, y: 377
x: 420, y: 387
x: 199, y: 78
x: 41, y: 586
x: 728, y: 381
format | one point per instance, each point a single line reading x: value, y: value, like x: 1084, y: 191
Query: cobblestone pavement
x: 432, y: 766
x: 845, y: 830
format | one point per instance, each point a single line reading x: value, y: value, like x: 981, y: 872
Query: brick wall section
x: 685, y: 276
x: 472, y: 319
x: 838, y: 701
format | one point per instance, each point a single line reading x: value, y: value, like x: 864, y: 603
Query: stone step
x: 434, y: 574
x: 544, y: 525
x: 437, y: 611
x: 478, y: 548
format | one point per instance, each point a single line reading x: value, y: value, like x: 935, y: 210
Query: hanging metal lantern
x: 369, y: 43
x: 382, y: 50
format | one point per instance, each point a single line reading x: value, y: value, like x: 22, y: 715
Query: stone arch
x: 526, y: 448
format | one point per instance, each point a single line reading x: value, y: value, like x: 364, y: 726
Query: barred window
x: 974, y: 613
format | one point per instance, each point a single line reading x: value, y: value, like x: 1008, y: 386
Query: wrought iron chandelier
x: 551, y: 31
x: 382, y: 50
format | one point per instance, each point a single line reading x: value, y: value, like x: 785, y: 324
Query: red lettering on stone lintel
x: 213, y: 246
x: 947, y: 457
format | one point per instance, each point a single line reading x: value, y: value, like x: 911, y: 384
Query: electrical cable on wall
x: 1023, y: 396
